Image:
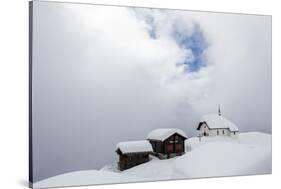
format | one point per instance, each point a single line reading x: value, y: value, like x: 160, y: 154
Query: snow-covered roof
x: 163, y: 133
x: 134, y: 146
x: 215, y: 121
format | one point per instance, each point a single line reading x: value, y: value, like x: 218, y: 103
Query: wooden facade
x: 128, y: 160
x: 170, y: 147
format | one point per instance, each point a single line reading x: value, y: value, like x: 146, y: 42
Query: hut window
x: 218, y: 132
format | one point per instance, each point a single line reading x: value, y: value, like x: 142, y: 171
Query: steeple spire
x: 219, y: 110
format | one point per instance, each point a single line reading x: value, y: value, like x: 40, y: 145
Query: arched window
x: 218, y: 132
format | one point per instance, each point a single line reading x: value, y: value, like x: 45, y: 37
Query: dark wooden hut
x: 132, y: 153
x: 168, y: 142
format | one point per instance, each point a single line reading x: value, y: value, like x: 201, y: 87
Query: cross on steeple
x: 219, y: 110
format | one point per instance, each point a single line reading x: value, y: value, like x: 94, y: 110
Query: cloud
x: 105, y: 74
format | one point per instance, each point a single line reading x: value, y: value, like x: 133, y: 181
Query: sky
x: 105, y: 74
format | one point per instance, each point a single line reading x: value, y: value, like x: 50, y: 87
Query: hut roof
x: 134, y: 146
x: 164, y: 133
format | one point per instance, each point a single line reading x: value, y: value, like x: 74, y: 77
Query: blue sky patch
x: 194, y: 42
x: 197, y: 43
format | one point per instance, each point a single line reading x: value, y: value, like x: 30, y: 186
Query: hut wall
x: 172, y: 146
x: 216, y: 132
x: 157, y: 146
x: 127, y: 161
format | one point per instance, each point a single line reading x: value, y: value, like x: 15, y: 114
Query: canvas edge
x: 30, y: 49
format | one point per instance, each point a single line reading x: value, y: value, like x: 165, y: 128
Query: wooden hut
x: 133, y: 153
x: 167, y: 142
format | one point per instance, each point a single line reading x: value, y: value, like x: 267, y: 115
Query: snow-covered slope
x: 88, y: 177
x: 212, y: 156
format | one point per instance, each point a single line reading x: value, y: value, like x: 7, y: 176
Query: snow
x: 163, y: 133
x: 225, y: 159
x: 248, y: 154
x: 134, y: 146
x: 88, y: 177
x: 215, y: 121
x: 213, y: 156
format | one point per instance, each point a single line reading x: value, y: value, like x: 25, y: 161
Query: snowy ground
x: 213, y: 156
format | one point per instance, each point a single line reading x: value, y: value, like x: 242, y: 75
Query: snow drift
x: 212, y: 156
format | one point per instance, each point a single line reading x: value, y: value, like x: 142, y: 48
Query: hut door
x: 178, y: 144
x: 179, y: 148
x: 171, y: 145
x: 170, y: 148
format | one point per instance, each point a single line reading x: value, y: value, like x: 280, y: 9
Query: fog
x: 104, y: 74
